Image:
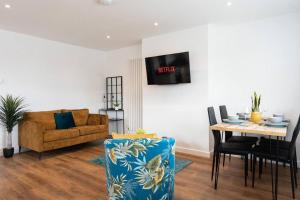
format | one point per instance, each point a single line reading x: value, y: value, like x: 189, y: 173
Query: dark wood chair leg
x: 20, y: 149
x: 229, y: 157
x: 213, y: 166
x: 295, y: 162
x: 265, y: 162
x: 260, y: 167
x: 224, y: 157
x: 246, y: 169
x: 292, y: 178
x: 217, y: 171
x: 251, y: 160
x: 295, y: 173
x: 253, y: 170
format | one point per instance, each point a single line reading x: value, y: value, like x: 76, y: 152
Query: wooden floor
x: 67, y: 174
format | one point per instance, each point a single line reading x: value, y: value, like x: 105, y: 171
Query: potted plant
x: 11, y: 111
x: 116, y: 106
x: 256, y: 116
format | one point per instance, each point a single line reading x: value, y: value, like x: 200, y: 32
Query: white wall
x: 49, y: 75
x: 228, y: 63
x: 180, y: 110
x: 118, y: 64
x: 262, y: 56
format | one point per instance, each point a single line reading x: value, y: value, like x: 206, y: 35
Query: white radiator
x: 135, y: 95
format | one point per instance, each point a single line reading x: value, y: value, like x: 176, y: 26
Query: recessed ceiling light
x: 156, y: 24
x: 229, y: 3
x: 108, y: 37
x: 106, y: 2
x: 7, y: 6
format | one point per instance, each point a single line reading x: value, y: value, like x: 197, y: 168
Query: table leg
x: 271, y: 164
x: 222, y: 134
x: 276, y: 175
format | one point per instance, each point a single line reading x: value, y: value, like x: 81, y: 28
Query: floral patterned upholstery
x: 140, y: 169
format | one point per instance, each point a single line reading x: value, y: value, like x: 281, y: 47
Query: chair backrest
x: 294, y: 137
x: 224, y: 115
x: 213, y: 121
x: 140, y: 168
x: 223, y: 112
x: 211, y: 116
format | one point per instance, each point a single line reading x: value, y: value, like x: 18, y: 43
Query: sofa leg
x: 40, y: 155
x: 20, y: 148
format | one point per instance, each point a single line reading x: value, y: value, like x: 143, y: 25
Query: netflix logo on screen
x: 166, y: 70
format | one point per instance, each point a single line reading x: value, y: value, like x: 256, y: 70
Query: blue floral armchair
x: 141, y: 169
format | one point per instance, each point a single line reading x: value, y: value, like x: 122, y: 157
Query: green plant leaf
x: 256, y: 100
x: 11, y: 111
x: 258, y: 106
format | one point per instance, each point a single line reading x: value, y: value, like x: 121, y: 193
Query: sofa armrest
x: 96, y: 119
x: 31, y: 135
x: 104, y: 120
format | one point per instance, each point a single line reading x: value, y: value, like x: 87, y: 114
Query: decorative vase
x: 256, y: 117
x: 8, y: 136
x: 8, y: 152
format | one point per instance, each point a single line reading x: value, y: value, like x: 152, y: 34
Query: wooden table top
x: 249, y: 127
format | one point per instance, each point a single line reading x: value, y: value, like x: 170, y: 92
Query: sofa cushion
x: 64, y: 120
x: 94, y: 119
x: 91, y: 129
x: 54, y: 135
x: 80, y: 116
x: 44, y: 117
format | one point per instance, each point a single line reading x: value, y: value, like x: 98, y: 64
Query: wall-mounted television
x: 168, y: 69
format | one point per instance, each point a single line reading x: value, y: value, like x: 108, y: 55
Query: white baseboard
x: 194, y: 152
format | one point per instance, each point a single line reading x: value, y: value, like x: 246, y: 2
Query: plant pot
x: 8, y: 152
x: 256, y: 117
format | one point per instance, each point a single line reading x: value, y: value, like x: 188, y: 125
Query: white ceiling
x: 86, y: 22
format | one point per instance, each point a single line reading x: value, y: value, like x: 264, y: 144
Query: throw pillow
x: 80, y: 116
x: 64, y: 120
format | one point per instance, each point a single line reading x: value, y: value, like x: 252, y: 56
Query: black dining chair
x: 283, y: 155
x: 282, y: 145
x: 229, y: 137
x: 240, y: 149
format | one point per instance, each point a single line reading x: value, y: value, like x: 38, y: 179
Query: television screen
x: 168, y: 69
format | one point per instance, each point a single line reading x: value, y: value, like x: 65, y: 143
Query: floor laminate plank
x: 67, y: 174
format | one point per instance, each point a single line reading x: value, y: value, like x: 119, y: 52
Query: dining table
x: 263, y: 130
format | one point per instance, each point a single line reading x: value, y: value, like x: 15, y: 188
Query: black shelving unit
x: 114, y: 95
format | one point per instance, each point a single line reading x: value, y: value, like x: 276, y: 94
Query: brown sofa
x: 37, y: 130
